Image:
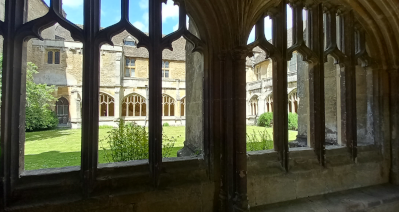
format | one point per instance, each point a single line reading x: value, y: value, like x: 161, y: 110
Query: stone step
x: 380, y: 198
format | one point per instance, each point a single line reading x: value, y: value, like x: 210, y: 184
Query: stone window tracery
x: 269, y: 104
x: 168, y: 105
x: 258, y: 73
x: 293, y: 102
x: 62, y: 110
x: 107, y: 105
x: 183, y: 107
x: 254, y: 105
x: 134, y: 105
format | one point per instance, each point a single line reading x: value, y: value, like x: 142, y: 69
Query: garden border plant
x: 129, y: 141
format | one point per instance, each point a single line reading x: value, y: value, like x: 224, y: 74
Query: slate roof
x: 178, y: 53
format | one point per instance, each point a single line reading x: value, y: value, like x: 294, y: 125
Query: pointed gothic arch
x: 134, y: 105
x: 168, y: 105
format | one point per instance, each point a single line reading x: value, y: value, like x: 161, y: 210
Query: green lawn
x: 61, y: 148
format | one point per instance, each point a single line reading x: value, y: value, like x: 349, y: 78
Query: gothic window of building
x: 129, y: 41
x: 165, y: 69
x: 107, y: 105
x: 254, y: 105
x: 62, y: 110
x: 183, y: 107
x: 134, y: 105
x: 130, y: 67
x: 293, y: 101
x: 53, y: 57
x: 168, y: 105
x: 269, y: 103
x: 258, y: 73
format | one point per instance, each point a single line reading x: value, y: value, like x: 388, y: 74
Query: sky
x: 138, y: 15
x: 268, y: 25
x: 111, y: 13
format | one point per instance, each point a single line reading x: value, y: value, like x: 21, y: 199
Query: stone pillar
x: 147, y: 102
x: 178, y: 102
x: 303, y: 104
x: 74, y: 108
x: 394, y: 123
x: 194, y: 100
x: 370, y: 105
x: 118, y: 98
x: 330, y: 86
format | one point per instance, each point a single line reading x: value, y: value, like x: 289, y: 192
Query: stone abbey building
x: 123, y: 78
x: 340, y: 75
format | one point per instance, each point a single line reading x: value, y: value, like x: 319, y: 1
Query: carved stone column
x: 117, y: 103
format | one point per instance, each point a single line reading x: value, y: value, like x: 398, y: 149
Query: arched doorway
x: 62, y: 110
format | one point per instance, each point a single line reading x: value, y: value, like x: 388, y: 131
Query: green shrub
x: 39, y: 99
x: 259, y: 141
x: 166, y: 124
x: 292, y: 121
x: 265, y: 120
x: 129, y: 141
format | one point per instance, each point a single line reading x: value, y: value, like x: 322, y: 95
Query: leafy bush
x: 293, y: 121
x: 39, y: 100
x: 166, y: 124
x: 259, y: 141
x: 129, y: 141
x: 265, y: 120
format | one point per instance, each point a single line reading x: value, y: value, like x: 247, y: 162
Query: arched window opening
x: 183, y: 107
x: 168, y: 105
x: 293, y: 102
x: 269, y: 103
x: 254, y: 105
x: 62, y: 110
x: 134, y: 105
x: 107, y: 105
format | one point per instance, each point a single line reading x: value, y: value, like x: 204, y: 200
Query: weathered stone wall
x: 177, y: 70
x: 250, y: 74
x: 269, y: 183
x: 108, y: 68
x: 141, y: 67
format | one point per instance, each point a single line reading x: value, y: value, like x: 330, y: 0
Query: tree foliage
x: 265, y: 120
x: 39, y: 102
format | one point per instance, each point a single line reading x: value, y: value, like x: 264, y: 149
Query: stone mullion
x: 350, y: 84
x: 239, y: 130
x: 90, y: 90
x: 280, y: 96
x: 297, y: 28
x: 219, y: 126
x: 394, y: 123
x: 316, y: 135
x: 13, y: 109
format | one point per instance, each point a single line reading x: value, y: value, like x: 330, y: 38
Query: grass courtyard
x: 61, y: 147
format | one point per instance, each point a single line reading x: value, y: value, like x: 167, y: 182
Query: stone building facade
x: 123, y: 78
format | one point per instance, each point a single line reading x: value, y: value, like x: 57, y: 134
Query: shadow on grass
x: 48, y: 134
x: 56, y: 159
